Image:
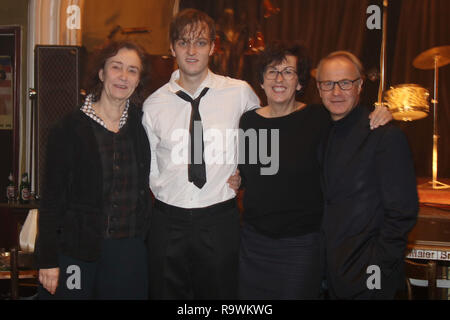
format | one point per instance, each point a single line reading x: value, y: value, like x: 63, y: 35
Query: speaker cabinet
x: 57, y: 81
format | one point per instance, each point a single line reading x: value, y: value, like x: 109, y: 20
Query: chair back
x: 22, y: 272
x: 421, y: 271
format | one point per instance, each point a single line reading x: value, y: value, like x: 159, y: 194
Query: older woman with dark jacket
x: 96, y: 204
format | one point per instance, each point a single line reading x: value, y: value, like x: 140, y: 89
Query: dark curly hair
x: 276, y: 52
x: 94, y: 85
x: 193, y: 19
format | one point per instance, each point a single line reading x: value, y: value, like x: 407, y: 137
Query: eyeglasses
x: 287, y: 73
x: 343, y: 84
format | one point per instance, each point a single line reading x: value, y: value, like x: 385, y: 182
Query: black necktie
x: 196, y: 165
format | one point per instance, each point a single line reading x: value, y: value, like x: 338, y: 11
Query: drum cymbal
x: 425, y: 60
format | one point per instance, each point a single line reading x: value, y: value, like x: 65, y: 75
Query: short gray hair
x: 342, y: 54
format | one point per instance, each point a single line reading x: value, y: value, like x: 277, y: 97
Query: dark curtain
x: 324, y: 26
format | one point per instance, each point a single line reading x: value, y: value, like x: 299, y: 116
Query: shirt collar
x: 209, y: 82
x: 90, y: 112
x: 350, y: 118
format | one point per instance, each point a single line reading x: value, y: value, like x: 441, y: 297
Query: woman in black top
x: 279, y: 255
x: 96, y: 202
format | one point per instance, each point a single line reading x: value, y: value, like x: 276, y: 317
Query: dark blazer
x: 370, y: 206
x: 71, y: 215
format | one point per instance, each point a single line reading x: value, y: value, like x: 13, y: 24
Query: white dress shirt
x: 166, y: 120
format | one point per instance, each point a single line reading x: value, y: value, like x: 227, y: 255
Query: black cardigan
x: 70, y: 217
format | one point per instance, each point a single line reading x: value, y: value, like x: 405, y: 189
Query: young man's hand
x: 234, y: 181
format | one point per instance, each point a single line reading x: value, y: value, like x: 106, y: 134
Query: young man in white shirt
x: 194, y: 234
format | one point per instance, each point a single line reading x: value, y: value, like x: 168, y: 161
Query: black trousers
x: 120, y: 273
x: 193, y: 253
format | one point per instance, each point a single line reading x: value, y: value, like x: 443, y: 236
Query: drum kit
x: 408, y: 102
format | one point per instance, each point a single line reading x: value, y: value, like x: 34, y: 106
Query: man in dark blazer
x: 369, y: 190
